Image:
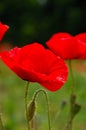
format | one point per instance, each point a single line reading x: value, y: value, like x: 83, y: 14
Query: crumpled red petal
x: 3, y: 29
x: 68, y: 46
x: 34, y: 63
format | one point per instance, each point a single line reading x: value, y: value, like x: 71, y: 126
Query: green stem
x: 36, y: 93
x: 26, y: 99
x: 72, y: 97
x: 72, y: 76
x: 1, y: 123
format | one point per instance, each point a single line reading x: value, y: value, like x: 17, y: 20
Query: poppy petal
x: 3, y: 29
x: 34, y: 63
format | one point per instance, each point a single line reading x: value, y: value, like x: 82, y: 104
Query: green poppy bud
x: 31, y: 110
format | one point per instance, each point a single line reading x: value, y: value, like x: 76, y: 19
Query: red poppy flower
x: 34, y: 63
x: 3, y: 29
x: 68, y: 46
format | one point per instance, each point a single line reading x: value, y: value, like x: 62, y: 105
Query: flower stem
x: 72, y: 76
x: 1, y: 124
x: 72, y: 98
x: 26, y: 97
x: 47, y: 100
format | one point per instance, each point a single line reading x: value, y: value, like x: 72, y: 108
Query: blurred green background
x: 12, y: 107
x: 37, y: 20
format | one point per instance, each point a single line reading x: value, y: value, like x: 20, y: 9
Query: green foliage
x: 37, y: 20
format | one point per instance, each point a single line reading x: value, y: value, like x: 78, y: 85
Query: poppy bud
x: 76, y: 109
x: 31, y: 110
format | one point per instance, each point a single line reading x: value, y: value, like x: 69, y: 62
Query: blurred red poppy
x: 34, y: 63
x: 3, y: 29
x: 67, y: 46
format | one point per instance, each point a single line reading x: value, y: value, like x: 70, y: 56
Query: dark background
x: 37, y: 20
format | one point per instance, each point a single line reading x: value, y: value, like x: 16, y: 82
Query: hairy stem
x: 48, y: 111
x: 26, y: 99
x: 72, y: 76
x: 72, y: 98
